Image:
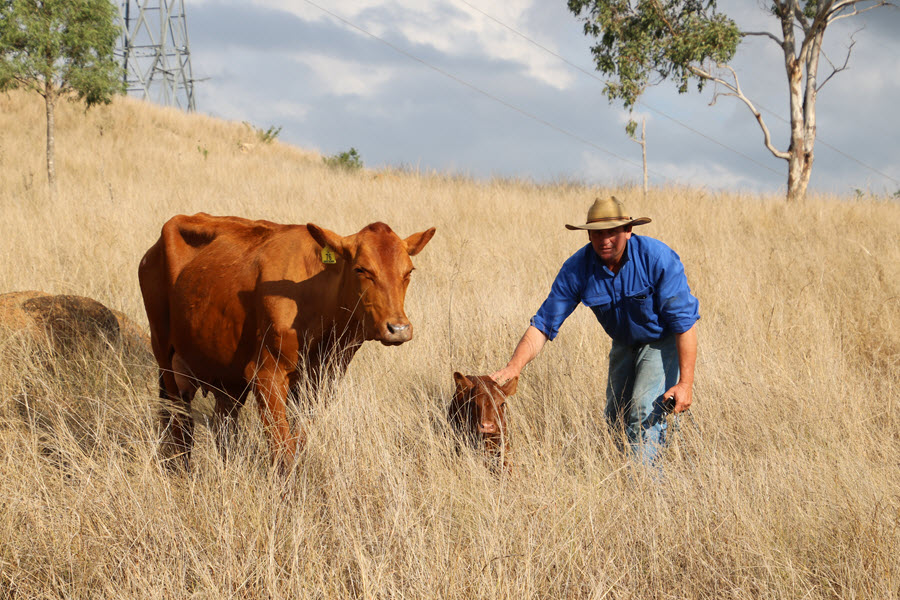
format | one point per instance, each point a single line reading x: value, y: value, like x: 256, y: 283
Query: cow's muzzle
x: 396, y: 333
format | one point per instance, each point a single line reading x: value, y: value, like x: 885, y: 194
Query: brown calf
x: 478, y: 413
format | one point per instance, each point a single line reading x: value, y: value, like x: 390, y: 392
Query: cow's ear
x: 509, y: 388
x: 462, y: 383
x: 417, y: 241
x: 328, y: 238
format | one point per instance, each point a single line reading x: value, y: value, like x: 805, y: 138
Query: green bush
x: 349, y: 160
x: 265, y: 136
x: 269, y: 134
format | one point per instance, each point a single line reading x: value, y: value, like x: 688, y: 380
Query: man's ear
x: 509, y: 388
x: 417, y: 241
x: 324, y: 237
x: 462, y: 382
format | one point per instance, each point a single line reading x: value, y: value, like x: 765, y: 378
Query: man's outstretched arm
x: 526, y: 350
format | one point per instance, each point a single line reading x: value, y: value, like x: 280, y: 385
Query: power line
x: 594, y: 76
x: 659, y: 112
x: 481, y: 91
x: 827, y: 145
x: 714, y: 141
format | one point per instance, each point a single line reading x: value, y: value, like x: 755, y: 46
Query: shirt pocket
x: 599, y: 305
x: 639, y: 306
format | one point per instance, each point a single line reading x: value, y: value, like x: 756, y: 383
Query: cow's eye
x: 363, y: 272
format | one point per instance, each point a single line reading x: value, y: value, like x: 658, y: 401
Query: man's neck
x: 615, y: 266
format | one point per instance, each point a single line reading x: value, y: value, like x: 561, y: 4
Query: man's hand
x: 683, y: 394
x: 527, y: 348
x: 503, y: 375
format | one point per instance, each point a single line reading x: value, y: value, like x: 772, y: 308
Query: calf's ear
x: 462, y: 383
x: 509, y: 388
x: 417, y: 241
x: 328, y: 238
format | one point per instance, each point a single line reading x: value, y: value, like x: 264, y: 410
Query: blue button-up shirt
x: 647, y: 300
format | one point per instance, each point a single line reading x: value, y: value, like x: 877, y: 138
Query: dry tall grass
x: 785, y: 484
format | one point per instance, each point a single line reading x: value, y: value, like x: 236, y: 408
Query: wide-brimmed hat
x: 608, y: 213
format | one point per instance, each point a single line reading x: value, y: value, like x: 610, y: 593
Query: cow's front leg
x: 228, y: 406
x: 271, y: 386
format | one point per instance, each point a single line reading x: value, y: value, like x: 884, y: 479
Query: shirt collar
x: 626, y: 258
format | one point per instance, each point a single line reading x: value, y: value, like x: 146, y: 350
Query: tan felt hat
x: 608, y: 213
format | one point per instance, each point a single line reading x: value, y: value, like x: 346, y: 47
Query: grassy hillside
x: 785, y: 483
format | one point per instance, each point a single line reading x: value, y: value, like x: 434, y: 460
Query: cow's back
x: 192, y: 281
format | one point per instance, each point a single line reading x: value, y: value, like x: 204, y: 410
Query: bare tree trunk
x: 643, y: 143
x: 50, y: 101
x: 799, y: 171
x: 802, y: 102
x: 801, y: 155
x: 644, y: 151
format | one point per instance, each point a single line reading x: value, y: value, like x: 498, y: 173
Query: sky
x: 508, y: 89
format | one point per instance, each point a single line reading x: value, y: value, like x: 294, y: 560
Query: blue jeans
x: 639, y: 375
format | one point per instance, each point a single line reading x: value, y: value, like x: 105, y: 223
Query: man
x: 637, y: 289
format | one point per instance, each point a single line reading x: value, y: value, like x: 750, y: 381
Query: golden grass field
x: 784, y: 484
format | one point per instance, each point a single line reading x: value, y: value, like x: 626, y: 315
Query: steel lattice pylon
x: 155, y: 53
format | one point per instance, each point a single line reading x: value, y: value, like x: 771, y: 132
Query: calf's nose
x: 488, y: 427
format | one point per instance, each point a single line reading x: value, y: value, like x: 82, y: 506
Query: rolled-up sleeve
x: 565, y: 294
x: 679, y: 309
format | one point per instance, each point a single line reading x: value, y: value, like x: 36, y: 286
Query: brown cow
x: 236, y: 305
x: 478, y: 413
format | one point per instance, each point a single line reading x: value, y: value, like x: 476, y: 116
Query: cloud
x: 453, y: 29
x: 602, y: 169
x: 332, y: 87
x: 714, y: 176
x: 344, y: 77
x: 285, y: 109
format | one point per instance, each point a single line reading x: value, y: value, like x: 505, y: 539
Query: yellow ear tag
x: 328, y: 256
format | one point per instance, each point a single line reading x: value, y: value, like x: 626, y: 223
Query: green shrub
x: 267, y: 136
x: 349, y: 160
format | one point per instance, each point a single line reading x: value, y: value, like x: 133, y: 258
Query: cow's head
x: 376, y: 275
x: 480, y: 406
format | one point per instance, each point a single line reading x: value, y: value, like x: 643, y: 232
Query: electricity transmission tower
x: 155, y: 53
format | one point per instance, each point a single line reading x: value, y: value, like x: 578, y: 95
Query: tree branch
x: 662, y: 15
x: 28, y: 83
x: 836, y: 70
x: 762, y: 33
x: 801, y: 18
x: 835, y: 13
x: 736, y: 92
x: 812, y: 34
x: 820, y: 22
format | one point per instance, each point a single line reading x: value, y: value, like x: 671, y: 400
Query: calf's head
x: 478, y: 408
x: 376, y: 274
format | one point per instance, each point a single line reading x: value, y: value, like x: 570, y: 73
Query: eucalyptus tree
x: 644, y: 42
x: 60, y: 49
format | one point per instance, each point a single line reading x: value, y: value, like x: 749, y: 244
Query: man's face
x: 609, y: 244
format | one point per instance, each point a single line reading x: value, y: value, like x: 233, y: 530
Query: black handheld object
x: 668, y: 404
